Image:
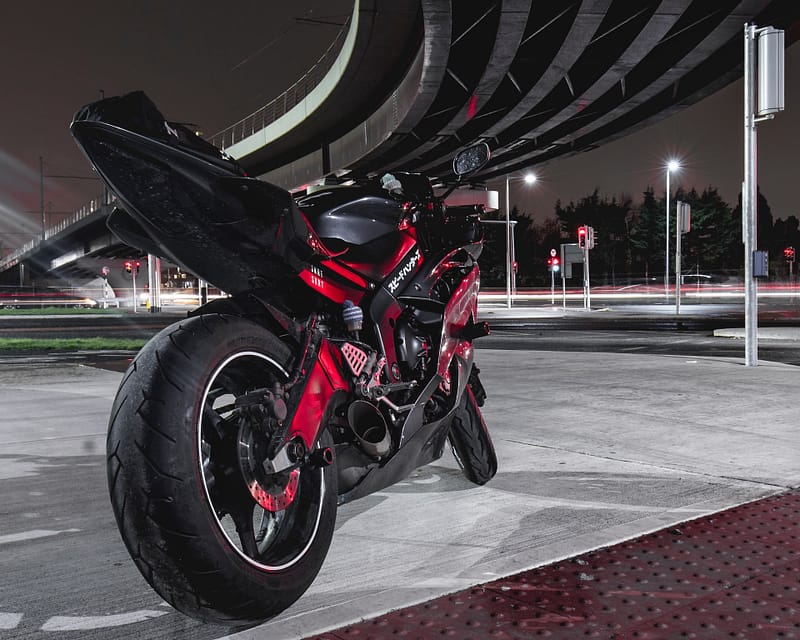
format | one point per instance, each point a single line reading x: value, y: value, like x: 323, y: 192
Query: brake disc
x: 273, y: 491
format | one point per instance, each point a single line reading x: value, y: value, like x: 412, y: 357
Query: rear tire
x: 180, y: 500
x: 470, y: 439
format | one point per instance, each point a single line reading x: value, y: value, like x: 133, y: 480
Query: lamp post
x: 672, y: 165
x: 529, y: 178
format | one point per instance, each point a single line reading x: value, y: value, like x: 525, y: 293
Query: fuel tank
x: 359, y: 227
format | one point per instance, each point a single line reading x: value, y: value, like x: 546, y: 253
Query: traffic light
x: 586, y: 237
x: 582, y: 233
x: 554, y: 264
x: 788, y: 253
x: 136, y: 266
x: 128, y: 266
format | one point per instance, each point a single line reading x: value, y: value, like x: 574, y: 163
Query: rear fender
x: 255, y: 306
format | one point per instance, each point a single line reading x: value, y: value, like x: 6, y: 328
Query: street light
x: 529, y: 178
x: 672, y: 165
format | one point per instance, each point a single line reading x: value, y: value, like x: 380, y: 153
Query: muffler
x: 369, y: 425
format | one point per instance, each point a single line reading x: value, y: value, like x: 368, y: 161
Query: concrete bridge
x: 408, y: 82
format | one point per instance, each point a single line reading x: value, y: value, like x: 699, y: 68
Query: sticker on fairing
x: 395, y: 282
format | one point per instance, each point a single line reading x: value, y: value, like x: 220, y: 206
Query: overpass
x: 407, y: 82
x: 537, y: 81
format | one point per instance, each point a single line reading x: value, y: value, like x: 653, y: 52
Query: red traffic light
x: 582, y: 232
x: 788, y: 253
x: 128, y: 266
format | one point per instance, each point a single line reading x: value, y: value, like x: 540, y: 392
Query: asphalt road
x: 644, y: 339
x: 595, y: 448
x: 85, y: 325
x: 65, y: 574
x: 654, y: 333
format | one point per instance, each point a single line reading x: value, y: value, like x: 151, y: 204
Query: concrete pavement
x: 594, y: 448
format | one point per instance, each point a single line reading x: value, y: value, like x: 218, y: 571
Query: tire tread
x: 153, y: 484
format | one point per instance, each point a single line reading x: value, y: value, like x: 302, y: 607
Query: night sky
x: 708, y: 139
x: 212, y: 63
x: 209, y: 63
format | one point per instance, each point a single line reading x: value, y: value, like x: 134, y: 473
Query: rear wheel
x: 184, y: 465
x: 469, y: 436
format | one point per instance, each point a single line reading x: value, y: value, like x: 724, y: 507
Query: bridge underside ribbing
x: 536, y: 81
x: 408, y: 82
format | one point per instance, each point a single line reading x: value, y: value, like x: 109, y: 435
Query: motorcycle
x: 340, y: 361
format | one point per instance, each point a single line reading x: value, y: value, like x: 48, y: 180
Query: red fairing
x: 324, y: 380
x: 316, y: 278
x: 345, y: 273
x: 460, y: 307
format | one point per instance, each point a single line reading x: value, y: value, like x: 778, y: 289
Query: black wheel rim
x: 270, y: 541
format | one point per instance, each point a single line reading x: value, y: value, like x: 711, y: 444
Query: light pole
x: 672, y: 165
x: 529, y: 178
x: 42, y: 176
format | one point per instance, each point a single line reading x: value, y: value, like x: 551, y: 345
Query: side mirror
x: 471, y: 159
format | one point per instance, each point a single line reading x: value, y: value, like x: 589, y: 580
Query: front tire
x: 179, y: 496
x: 469, y: 437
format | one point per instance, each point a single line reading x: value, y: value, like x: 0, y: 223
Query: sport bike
x: 340, y: 360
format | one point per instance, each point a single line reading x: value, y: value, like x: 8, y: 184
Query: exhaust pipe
x: 369, y: 425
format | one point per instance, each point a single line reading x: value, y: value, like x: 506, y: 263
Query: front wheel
x: 184, y: 467
x: 469, y: 436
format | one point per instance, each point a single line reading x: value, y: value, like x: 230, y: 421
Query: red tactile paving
x: 733, y: 574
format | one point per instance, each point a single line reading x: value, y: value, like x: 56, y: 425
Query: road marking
x: 10, y: 620
x: 33, y: 534
x: 85, y: 623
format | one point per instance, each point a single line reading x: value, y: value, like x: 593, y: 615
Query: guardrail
x: 236, y: 132
x: 86, y: 210
x: 280, y: 105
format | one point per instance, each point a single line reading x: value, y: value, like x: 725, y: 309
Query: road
x: 701, y: 343
x: 568, y: 481
x: 83, y: 325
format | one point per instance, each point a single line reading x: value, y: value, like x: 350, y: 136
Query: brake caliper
x: 271, y: 482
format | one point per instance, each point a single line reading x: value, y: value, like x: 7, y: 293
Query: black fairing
x: 351, y: 215
x: 236, y: 232
x: 135, y: 112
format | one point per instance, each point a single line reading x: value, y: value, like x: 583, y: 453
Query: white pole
x: 749, y: 200
x: 154, y: 282
x: 508, y: 248
x: 588, y: 280
x: 133, y: 280
x: 666, y: 251
x: 513, y: 260
x: 564, y: 277
x: 678, y: 232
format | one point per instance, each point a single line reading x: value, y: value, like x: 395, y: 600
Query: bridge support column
x: 154, y: 282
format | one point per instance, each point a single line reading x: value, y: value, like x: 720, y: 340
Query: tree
x: 764, y: 230
x: 609, y: 220
x: 785, y: 234
x: 493, y: 257
x: 647, y: 235
x: 715, y: 240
